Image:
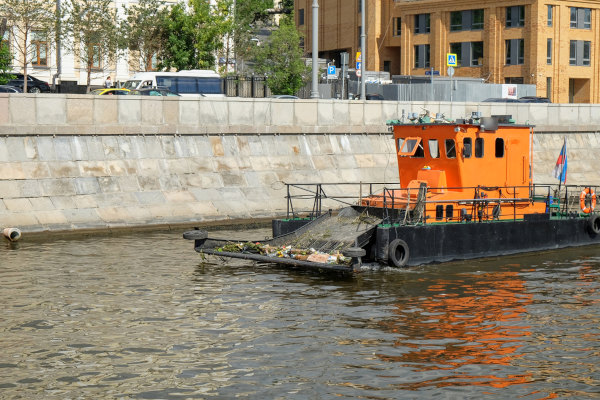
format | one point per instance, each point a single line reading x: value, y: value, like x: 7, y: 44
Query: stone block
x: 189, y: 112
x: 4, y: 111
x: 84, y: 186
x: 12, y: 170
x: 171, y: 111
x: 63, y: 202
x: 153, y: 146
x: 51, y: 110
x: 41, y: 203
x: 151, y: 110
x: 62, y: 148
x: 373, y: 114
x: 22, y: 108
x: 129, y: 110
x: 85, y: 201
x: 148, y: 183
x: 213, y: 112
x: 282, y: 113
x: 92, y: 168
x: 241, y: 112
x: 57, y: 187
x: 128, y: 183
x: 35, y: 170
x: 80, y: 110
x: 9, y: 189
x: 18, y: 205
x: 179, y: 196
x: 81, y: 216
x: 29, y: 188
x: 150, y: 198
x: 105, y: 110
x: 15, y: 147
x: 108, y: 184
x: 169, y: 182
x: 307, y: 112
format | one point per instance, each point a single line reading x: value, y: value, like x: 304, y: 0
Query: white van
x: 193, y: 83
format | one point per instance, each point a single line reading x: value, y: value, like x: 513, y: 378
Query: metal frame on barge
x: 466, y: 191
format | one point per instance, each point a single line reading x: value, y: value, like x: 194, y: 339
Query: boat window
x: 450, y: 148
x: 434, y: 149
x: 467, y: 146
x: 499, y: 147
x: 399, y: 143
x: 479, y: 147
x: 411, y: 147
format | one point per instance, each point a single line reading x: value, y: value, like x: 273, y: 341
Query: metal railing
x: 414, y: 205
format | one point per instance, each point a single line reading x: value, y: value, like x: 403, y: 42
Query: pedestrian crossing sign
x: 451, y: 60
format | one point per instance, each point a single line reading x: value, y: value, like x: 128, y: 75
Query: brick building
x: 546, y: 43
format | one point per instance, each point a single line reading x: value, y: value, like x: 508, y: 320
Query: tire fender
x: 594, y: 223
x: 398, y: 253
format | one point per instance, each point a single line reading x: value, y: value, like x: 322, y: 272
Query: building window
x: 479, y: 147
x: 39, y: 53
x: 580, y: 52
x: 5, y: 38
x: 359, y: 6
x: 499, y: 147
x: 95, y: 56
x: 397, y: 26
x: 467, y: 147
x: 434, y: 148
x: 581, y: 18
x: 468, y: 54
x: 515, y: 16
x: 422, y: 23
x: 301, y: 16
x: 549, y: 52
x: 550, y: 14
x: 466, y: 20
x: 422, y: 56
x: 549, y: 88
x: 515, y: 51
x: 514, y: 80
x: 450, y: 148
x: 387, y: 65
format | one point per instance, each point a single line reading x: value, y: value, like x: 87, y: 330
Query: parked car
x: 501, y: 100
x: 534, y: 99
x: 370, y: 96
x: 154, y: 92
x: 285, y: 97
x: 9, y: 89
x: 34, y: 85
x: 110, y: 91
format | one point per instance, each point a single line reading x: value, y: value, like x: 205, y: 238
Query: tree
x: 249, y: 15
x: 5, y: 56
x: 33, y: 23
x: 281, y: 59
x: 92, y: 24
x: 192, y: 38
x: 142, y: 29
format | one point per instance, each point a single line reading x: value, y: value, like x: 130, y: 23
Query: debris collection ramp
x: 349, y: 228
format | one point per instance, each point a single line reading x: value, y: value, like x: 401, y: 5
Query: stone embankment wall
x: 89, y: 162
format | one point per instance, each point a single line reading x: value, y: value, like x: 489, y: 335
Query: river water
x: 141, y: 316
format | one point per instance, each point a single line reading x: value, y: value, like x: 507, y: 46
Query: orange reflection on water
x: 475, y: 320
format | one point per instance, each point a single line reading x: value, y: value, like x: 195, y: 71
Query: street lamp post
x: 363, y: 49
x: 314, y: 93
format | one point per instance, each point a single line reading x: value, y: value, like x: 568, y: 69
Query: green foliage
x: 140, y: 31
x: 192, y: 39
x: 248, y: 15
x: 92, y: 25
x: 281, y: 59
x: 5, y: 61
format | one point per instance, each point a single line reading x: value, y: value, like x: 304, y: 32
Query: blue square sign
x: 451, y: 60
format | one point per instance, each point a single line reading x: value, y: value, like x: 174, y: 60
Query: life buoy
x: 398, y: 253
x: 587, y: 196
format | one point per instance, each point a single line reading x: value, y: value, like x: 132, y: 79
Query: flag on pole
x: 560, y: 170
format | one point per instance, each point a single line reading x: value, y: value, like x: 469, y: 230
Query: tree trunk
x: 25, y: 65
x: 89, y: 76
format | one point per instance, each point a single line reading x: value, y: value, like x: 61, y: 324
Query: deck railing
x: 411, y: 206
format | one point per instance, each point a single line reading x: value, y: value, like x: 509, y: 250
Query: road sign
x: 451, y: 60
x: 435, y: 73
x: 358, y: 56
x: 358, y: 72
x: 331, y: 72
x: 358, y: 66
x: 450, y: 71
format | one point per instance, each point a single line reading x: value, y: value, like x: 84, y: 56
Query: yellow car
x: 110, y: 91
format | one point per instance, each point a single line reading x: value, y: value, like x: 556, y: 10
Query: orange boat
x: 466, y: 191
